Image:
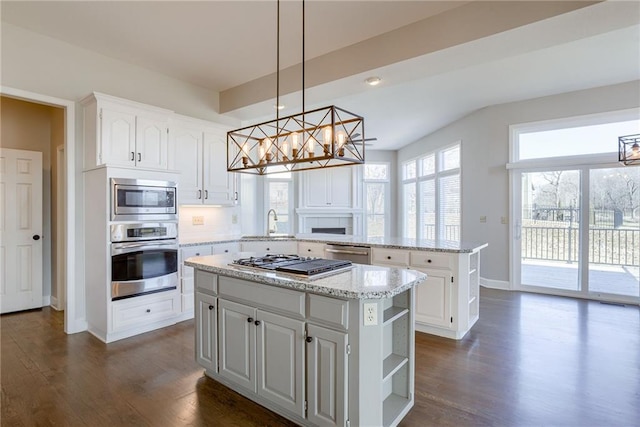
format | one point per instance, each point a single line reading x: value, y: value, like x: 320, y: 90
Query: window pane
x: 376, y: 171
x: 409, y: 197
x: 375, y: 198
x: 574, y: 141
x: 451, y: 158
x: 409, y: 170
x: 375, y: 225
x: 450, y: 207
x: 428, y: 207
x: 428, y: 165
x: 279, y: 200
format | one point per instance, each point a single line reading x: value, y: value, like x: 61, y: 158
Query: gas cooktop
x: 294, y: 264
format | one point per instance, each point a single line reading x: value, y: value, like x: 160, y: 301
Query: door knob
x: 257, y: 323
x: 36, y: 237
x: 250, y: 320
x: 309, y: 339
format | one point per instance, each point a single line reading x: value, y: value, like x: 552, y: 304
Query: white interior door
x: 20, y: 230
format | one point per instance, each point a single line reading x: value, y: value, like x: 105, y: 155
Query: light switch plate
x: 370, y: 314
x: 483, y: 218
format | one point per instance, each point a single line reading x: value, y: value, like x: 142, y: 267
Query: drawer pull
x: 250, y: 320
x: 389, y: 257
x: 308, y: 250
x: 210, y: 307
x: 226, y: 251
x: 148, y: 310
x: 257, y: 323
x: 429, y: 261
x: 197, y: 253
x: 268, y: 249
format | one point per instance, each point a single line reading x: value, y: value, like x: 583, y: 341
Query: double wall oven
x: 144, y: 255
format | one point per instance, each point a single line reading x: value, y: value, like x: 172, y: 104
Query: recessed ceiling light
x: 279, y: 107
x: 373, y: 81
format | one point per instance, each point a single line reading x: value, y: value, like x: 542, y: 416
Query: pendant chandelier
x: 319, y: 138
x: 629, y: 149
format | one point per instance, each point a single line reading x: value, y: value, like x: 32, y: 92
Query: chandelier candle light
x: 629, y: 149
x: 319, y: 138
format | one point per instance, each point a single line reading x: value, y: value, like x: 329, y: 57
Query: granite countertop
x: 374, y: 242
x: 358, y: 282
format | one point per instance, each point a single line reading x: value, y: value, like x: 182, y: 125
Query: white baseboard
x: 55, y: 304
x: 46, y: 300
x: 495, y: 284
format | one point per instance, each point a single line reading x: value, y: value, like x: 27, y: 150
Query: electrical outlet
x: 370, y: 314
x: 483, y: 218
x: 503, y: 219
x: 234, y: 219
x: 197, y: 220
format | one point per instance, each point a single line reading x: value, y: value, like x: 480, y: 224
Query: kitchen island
x: 336, y: 350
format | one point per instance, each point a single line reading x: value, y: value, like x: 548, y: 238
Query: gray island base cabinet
x: 300, y: 347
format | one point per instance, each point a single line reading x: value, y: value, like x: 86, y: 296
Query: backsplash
x: 205, y: 222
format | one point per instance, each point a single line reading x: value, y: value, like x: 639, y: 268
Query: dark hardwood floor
x: 531, y: 360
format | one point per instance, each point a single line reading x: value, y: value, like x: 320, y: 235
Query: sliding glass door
x: 585, y: 246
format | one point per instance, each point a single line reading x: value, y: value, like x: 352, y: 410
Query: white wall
x: 218, y: 222
x: 485, y: 149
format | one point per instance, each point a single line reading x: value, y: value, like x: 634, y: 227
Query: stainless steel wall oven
x: 144, y: 259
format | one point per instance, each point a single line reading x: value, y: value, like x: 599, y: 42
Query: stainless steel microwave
x: 139, y: 200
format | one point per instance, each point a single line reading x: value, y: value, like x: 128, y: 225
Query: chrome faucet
x: 275, y: 219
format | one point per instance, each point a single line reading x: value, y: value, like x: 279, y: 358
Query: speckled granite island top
x: 358, y: 282
x: 374, y: 242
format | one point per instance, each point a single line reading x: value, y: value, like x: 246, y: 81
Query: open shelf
x: 391, y: 364
x: 392, y: 313
x: 392, y: 407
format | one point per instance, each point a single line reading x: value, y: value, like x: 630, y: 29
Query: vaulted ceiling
x: 438, y: 60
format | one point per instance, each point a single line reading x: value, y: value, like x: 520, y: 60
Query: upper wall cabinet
x: 118, y: 132
x: 198, y: 150
x: 329, y: 188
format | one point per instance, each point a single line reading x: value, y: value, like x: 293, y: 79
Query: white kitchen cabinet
x: 433, y: 298
x: 311, y: 249
x: 328, y: 188
x: 326, y: 376
x: 270, y: 247
x: 124, y: 133
x: 226, y: 248
x: 187, y: 279
x: 263, y: 352
x: 198, y: 150
x: 207, y: 330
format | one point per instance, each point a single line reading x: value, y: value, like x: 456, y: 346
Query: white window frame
x: 387, y: 197
x: 436, y: 176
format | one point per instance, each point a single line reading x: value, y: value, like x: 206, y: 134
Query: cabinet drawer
x: 312, y: 249
x: 264, y: 296
x: 226, y: 248
x: 138, y: 311
x: 328, y: 311
x: 207, y: 282
x: 390, y: 256
x: 432, y: 259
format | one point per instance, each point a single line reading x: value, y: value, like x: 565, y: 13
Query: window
x: 279, y: 196
x: 431, y: 195
x: 376, y: 188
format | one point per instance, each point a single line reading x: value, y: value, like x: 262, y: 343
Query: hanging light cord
x: 278, y: 68
x: 303, y: 106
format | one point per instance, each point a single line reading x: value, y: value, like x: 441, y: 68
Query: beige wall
x: 36, y: 127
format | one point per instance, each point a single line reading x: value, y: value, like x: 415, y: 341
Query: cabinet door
x: 206, y: 332
x: 185, y: 155
x: 340, y: 185
x: 433, y: 298
x: 151, y: 142
x: 326, y: 376
x: 280, y: 361
x: 315, y: 189
x: 219, y: 188
x: 237, y: 342
x: 117, y: 137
